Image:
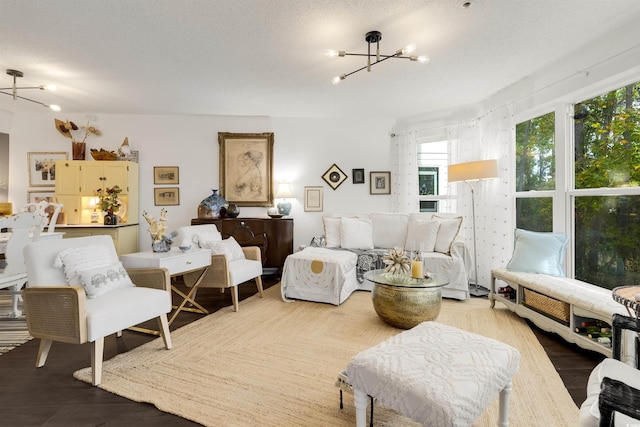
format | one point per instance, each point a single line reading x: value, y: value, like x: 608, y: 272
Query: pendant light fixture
x: 374, y: 37
x: 14, y: 90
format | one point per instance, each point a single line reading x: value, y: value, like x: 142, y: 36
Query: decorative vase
x: 78, y: 150
x: 110, y: 218
x: 210, y: 206
x: 163, y: 245
x: 233, y: 210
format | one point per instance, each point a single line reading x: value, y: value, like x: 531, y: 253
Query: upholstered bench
x: 434, y: 374
x: 319, y: 275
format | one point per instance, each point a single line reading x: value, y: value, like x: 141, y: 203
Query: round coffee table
x: 403, y: 301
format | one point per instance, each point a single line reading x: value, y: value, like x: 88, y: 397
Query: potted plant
x: 109, y: 202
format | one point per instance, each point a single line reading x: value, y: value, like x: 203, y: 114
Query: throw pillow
x: 447, y: 232
x: 332, y: 231
x: 538, y: 252
x: 423, y: 233
x: 98, y: 281
x: 389, y: 229
x: 228, y: 247
x: 356, y: 233
x: 74, y: 260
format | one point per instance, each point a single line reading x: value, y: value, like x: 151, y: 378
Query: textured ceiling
x: 266, y: 57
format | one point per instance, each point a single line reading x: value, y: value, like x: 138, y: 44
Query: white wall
x: 304, y: 149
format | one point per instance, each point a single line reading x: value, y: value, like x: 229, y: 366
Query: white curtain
x: 492, y: 136
x: 404, y: 180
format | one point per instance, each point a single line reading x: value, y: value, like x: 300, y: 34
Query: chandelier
x: 14, y: 90
x: 375, y: 37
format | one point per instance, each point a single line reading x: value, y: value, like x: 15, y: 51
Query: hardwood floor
x: 50, y: 396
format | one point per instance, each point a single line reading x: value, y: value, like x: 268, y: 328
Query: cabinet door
x: 92, y: 178
x: 71, y: 209
x: 67, y: 177
x: 117, y: 174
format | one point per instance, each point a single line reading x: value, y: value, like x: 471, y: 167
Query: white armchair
x: 223, y: 272
x: 56, y: 311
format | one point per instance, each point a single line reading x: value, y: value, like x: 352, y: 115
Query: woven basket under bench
x: 551, y: 307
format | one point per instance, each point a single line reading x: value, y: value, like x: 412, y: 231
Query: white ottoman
x: 436, y: 375
x: 319, y: 275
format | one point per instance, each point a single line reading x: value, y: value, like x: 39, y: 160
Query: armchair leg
x: 259, y: 284
x: 97, y: 348
x: 234, y: 297
x: 163, y: 327
x: 43, y: 352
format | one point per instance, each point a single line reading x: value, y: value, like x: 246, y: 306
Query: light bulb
x: 423, y: 59
x: 409, y: 48
x: 54, y: 107
x: 337, y: 79
x: 331, y: 53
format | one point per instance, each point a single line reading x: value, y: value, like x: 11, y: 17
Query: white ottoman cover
x: 320, y: 275
x: 435, y: 374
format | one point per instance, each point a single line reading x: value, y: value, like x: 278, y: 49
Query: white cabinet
x: 78, y: 180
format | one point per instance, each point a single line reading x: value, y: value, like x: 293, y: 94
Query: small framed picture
x: 357, y: 175
x: 166, y: 175
x: 334, y: 176
x: 36, y: 196
x: 166, y: 196
x: 42, y: 168
x: 380, y: 182
x: 313, y: 199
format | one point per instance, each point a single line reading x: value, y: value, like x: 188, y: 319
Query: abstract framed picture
x: 380, y: 182
x: 334, y: 176
x: 166, y: 196
x: 42, y: 168
x: 357, y: 175
x: 166, y: 175
x: 313, y: 199
x: 246, y: 168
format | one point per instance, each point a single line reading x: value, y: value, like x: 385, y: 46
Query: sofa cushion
x: 100, y: 280
x: 538, y: 252
x: 447, y: 232
x: 75, y: 259
x: 332, y: 230
x: 422, y: 233
x: 356, y: 233
x: 389, y: 229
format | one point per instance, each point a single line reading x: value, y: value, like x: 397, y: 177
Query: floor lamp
x: 471, y: 173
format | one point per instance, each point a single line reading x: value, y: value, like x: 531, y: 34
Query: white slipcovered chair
x: 613, y: 389
x: 49, y: 212
x: 22, y: 229
x: 100, y: 306
x: 224, y: 272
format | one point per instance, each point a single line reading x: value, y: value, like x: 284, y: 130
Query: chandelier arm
x: 26, y: 99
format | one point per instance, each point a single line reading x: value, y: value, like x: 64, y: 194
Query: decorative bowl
x: 184, y: 248
x: 275, y: 215
x: 102, y: 154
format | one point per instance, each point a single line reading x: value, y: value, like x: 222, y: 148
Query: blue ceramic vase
x: 210, y: 206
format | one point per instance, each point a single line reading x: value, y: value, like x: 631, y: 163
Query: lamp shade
x: 284, y: 191
x: 473, y: 171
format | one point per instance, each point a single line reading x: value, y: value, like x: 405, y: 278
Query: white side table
x: 178, y: 263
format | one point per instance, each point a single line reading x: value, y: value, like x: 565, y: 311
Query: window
x: 432, y: 166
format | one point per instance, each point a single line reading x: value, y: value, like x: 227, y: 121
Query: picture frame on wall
x: 334, y: 176
x: 357, y: 175
x: 36, y: 196
x: 166, y: 196
x: 246, y: 168
x: 166, y: 175
x: 380, y: 182
x: 313, y: 199
x: 42, y: 167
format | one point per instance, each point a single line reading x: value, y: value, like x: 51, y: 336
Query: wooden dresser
x: 279, y: 234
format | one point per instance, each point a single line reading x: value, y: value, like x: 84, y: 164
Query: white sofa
x: 371, y: 235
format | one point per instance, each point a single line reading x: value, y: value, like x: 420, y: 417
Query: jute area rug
x: 13, y: 332
x: 275, y: 364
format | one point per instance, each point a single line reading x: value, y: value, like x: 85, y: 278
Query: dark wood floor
x: 50, y: 396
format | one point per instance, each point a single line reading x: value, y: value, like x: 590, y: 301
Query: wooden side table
x: 178, y: 263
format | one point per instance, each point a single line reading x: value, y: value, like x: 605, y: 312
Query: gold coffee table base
x: 406, y: 307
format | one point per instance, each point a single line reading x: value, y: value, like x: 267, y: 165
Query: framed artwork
x: 334, y: 176
x: 246, y: 168
x: 42, y: 168
x: 358, y: 176
x: 166, y: 196
x: 35, y: 196
x: 313, y: 199
x: 166, y: 175
x: 380, y: 182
